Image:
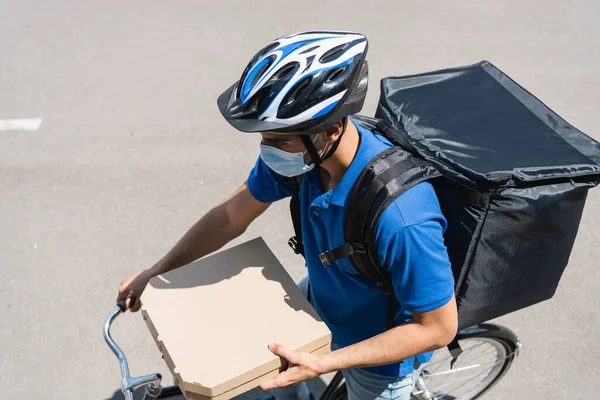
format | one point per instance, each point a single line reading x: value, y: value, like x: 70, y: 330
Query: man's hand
x: 132, y: 287
x: 301, y: 367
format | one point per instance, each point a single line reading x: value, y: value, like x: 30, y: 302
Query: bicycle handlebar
x: 128, y: 383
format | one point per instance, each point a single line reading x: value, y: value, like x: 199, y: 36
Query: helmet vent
x: 336, y: 74
x: 309, y: 50
x: 285, y: 71
x: 332, y: 54
x: 265, y: 50
x: 297, y: 91
x: 253, y: 106
x: 260, y: 73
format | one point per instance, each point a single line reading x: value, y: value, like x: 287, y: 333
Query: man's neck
x: 334, y: 168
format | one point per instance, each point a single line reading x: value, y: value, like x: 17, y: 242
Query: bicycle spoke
x: 472, y: 377
x: 492, y: 350
x: 449, y: 382
x: 491, y: 364
x: 454, y: 370
x: 460, y: 382
x: 447, y: 359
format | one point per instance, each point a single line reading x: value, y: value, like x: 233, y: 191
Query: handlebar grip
x: 123, y: 303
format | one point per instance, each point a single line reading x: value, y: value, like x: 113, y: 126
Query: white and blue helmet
x: 300, y: 83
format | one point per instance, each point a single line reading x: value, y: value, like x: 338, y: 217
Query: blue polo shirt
x: 409, y: 238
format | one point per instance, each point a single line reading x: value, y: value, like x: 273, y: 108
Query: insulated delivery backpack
x: 510, y: 174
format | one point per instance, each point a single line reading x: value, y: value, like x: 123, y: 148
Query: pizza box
x: 213, y: 319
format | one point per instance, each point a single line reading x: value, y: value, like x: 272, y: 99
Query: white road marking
x: 32, y: 124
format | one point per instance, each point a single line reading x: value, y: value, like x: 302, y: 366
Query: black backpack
x: 511, y: 177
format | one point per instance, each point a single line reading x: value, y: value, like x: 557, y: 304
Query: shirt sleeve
x: 410, y: 241
x: 417, y: 261
x: 267, y: 186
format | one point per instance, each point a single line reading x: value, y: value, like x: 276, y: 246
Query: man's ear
x: 334, y: 131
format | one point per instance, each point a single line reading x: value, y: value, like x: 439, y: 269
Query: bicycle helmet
x: 301, y: 83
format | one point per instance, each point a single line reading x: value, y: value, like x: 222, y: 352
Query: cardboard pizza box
x: 214, y: 318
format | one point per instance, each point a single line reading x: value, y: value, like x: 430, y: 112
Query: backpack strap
x: 455, y: 351
x: 295, y: 242
x: 387, y: 176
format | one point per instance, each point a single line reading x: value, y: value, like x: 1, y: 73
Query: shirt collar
x: 368, y: 148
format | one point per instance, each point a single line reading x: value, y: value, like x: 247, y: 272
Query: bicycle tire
x: 501, y: 335
x: 341, y: 393
x: 333, y: 386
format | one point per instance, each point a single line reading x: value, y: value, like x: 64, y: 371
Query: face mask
x: 285, y: 163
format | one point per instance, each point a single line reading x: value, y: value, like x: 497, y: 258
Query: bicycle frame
x: 129, y: 383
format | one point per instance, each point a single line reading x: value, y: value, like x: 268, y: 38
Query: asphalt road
x: 132, y: 150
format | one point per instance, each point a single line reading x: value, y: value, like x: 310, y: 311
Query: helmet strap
x: 337, y: 142
x: 310, y: 147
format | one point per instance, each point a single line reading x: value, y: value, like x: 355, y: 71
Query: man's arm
x: 420, y: 271
x: 427, y: 331
x: 225, y: 222
x: 416, y: 258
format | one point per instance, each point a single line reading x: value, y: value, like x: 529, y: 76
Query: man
x: 298, y: 93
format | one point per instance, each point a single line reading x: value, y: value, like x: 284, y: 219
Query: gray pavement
x: 132, y: 150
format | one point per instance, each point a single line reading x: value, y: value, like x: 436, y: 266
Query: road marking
x: 32, y: 124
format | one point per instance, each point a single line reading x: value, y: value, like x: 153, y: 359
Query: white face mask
x: 285, y: 163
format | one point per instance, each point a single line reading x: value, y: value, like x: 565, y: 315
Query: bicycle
x: 441, y: 379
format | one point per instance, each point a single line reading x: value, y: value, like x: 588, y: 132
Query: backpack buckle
x: 325, y: 259
x: 293, y: 243
x: 347, y: 249
x: 358, y: 248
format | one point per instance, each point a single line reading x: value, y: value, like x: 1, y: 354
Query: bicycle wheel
x: 488, y: 352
